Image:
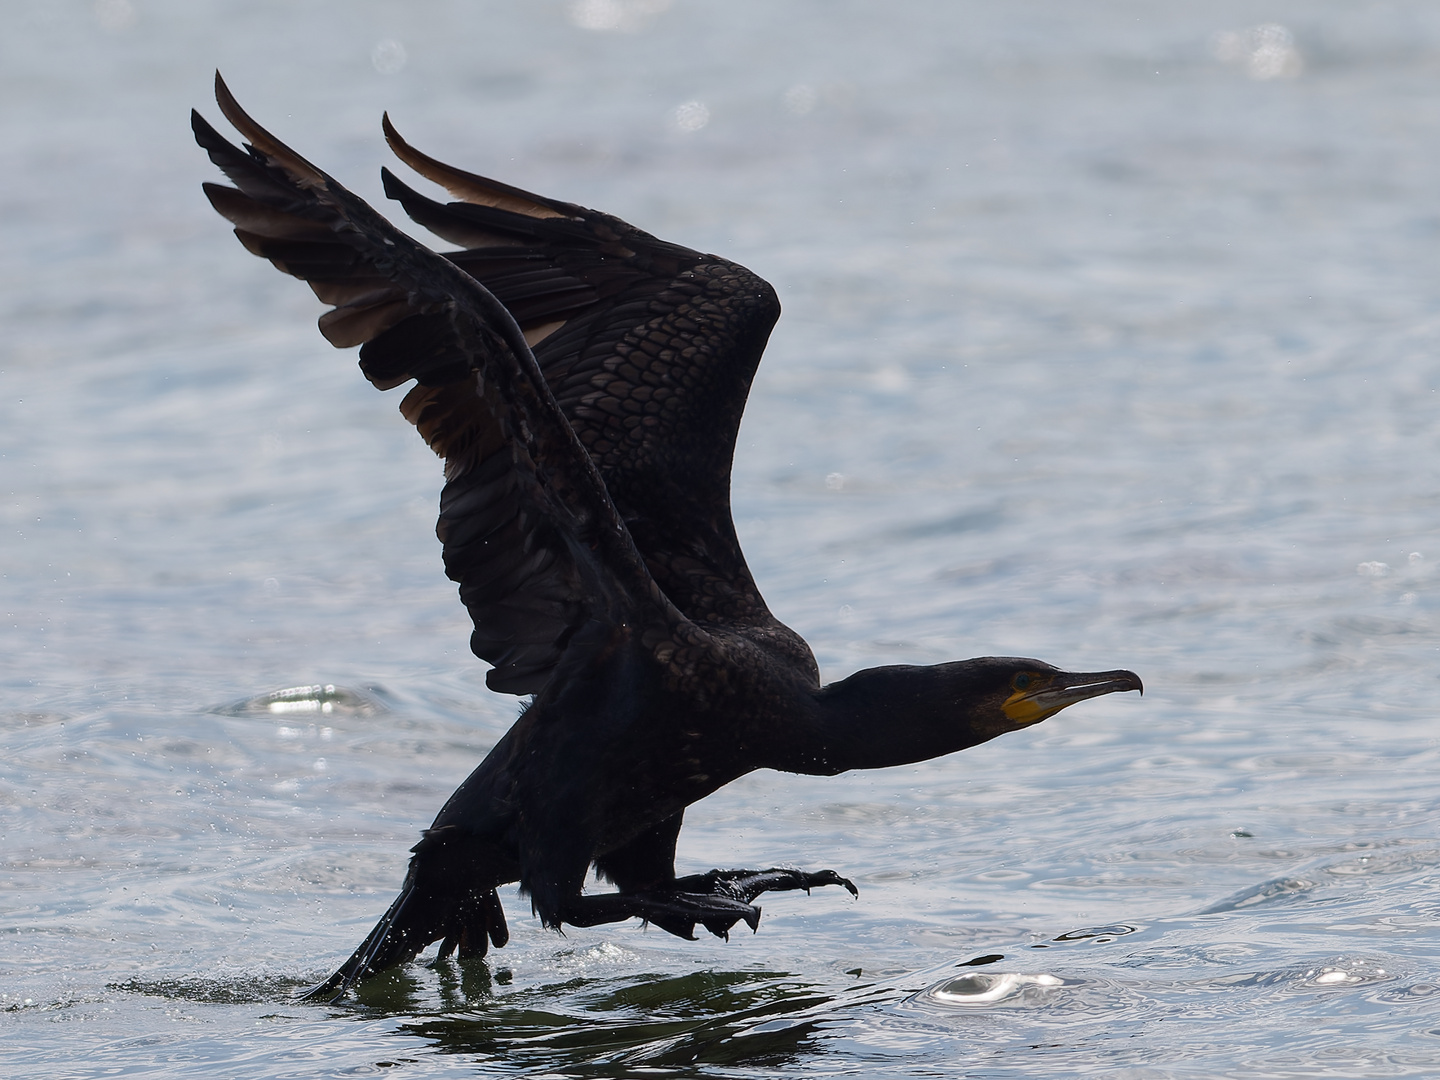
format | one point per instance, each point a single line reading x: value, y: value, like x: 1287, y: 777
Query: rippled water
x: 1110, y: 338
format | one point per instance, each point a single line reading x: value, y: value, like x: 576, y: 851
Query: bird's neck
x: 887, y: 716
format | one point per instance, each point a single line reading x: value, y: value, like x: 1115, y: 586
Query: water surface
x: 1110, y: 338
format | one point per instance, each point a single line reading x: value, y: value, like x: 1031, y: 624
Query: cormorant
x: 584, y: 381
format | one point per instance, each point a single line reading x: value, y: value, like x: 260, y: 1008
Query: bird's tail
x: 443, y: 900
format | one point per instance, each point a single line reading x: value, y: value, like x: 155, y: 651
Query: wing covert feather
x: 649, y: 348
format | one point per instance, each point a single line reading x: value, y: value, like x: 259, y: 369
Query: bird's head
x: 900, y: 714
x: 1003, y: 693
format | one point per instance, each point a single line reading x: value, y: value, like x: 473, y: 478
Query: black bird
x: 584, y: 381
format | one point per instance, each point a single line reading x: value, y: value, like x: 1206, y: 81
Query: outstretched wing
x: 529, y: 531
x: 649, y: 349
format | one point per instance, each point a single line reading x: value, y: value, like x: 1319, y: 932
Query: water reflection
x: 1278, y: 890
x: 1099, y: 935
x: 585, y: 1027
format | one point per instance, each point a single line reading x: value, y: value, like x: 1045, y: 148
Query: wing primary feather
x: 300, y: 170
x: 468, y: 186
x: 260, y: 220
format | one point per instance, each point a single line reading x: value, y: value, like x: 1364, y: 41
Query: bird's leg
x: 673, y: 911
x: 716, y: 900
x: 746, y: 885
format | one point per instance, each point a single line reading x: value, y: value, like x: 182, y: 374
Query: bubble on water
x: 115, y: 15
x: 690, y: 116
x: 388, y: 57
x: 891, y: 379
x: 1265, y: 52
x: 1416, y: 558
x: 1372, y: 569
x: 626, y: 15
x: 800, y: 99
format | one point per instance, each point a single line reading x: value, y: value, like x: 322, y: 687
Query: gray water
x: 1110, y: 338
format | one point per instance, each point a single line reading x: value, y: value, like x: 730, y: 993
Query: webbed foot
x: 738, y: 887
x: 746, y: 885
x: 672, y: 910
x: 716, y: 900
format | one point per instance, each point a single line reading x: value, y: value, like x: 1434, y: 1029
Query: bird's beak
x: 1066, y: 688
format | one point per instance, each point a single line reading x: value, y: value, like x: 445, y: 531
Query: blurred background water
x: 1110, y: 338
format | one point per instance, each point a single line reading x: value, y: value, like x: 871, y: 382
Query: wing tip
x: 301, y: 171
x: 225, y: 99
x: 394, y: 187
x: 206, y: 137
x: 392, y: 137
x: 469, y: 187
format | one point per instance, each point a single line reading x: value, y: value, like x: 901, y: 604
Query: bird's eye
x: 1021, y: 681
